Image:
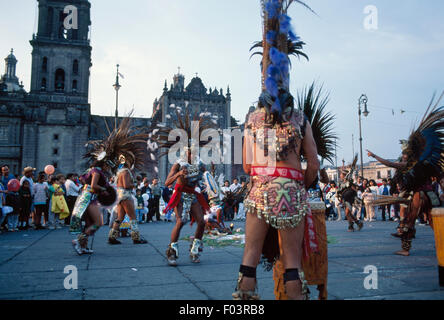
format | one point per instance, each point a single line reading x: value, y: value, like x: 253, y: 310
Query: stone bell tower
x: 56, y: 122
x: 61, y: 55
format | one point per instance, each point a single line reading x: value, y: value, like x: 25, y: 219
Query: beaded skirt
x: 280, y: 202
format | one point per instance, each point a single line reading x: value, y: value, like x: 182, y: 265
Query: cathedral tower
x: 56, y: 122
x: 61, y: 56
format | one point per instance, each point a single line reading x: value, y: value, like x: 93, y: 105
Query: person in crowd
x: 384, y: 190
x: 25, y: 197
x: 28, y: 174
x: 226, y: 187
x: 140, y: 206
x: 240, y: 200
x: 40, y: 195
x: 155, y: 201
x: 6, y: 175
x: 357, y: 205
x: 441, y: 190
x: 72, y: 192
x: 364, y: 184
x: 337, y: 203
x: 214, y: 217
x: 4, y: 210
x: 234, y: 188
x: 59, y: 208
x: 330, y: 195
x: 374, y: 189
x: 13, y: 201
x: 368, y: 196
x: 362, y: 188
x: 228, y: 200
x: 166, y: 196
x: 435, y: 184
x: 139, y: 182
x: 145, y: 186
x: 359, y: 182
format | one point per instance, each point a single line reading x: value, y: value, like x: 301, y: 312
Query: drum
x: 438, y: 228
x: 108, y: 197
x: 316, y: 266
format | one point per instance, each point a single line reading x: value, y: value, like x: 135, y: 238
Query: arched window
x: 74, y: 86
x: 75, y: 67
x: 43, y: 87
x: 59, y: 83
x: 45, y: 64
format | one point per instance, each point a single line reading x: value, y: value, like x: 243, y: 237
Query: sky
x: 398, y: 65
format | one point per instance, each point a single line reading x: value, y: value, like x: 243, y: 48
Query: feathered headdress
x: 424, y: 149
x: 349, y: 173
x: 123, y: 145
x: 191, y: 125
x: 278, y: 43
x: 313, y: 103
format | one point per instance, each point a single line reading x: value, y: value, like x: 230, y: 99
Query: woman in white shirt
x: 72, y: 192
x: 374, y: 189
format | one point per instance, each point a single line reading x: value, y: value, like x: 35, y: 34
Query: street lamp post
x: 117, y: 86
x: 336, y: 161
x: 362, y: 100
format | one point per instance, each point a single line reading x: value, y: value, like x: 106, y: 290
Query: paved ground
x: 32, y: 267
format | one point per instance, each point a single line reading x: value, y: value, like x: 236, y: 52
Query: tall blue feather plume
x: 272, y: 87
x: 273, y: 72
x: 285, y: 24
x: 276, y: 106
x: 271, y: 37
x: 272, y: 8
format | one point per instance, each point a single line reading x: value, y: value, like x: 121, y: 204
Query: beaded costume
x: 186, y: 192
x: 277, y: 195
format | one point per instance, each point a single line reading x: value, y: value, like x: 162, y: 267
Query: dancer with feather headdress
x: 348, y: 195
x: 315, y: 266
x: 277, y: 197
x: 130, y: 147
x: 422, y: 157
x: 186, y: 173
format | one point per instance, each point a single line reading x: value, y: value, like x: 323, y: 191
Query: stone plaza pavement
x: 32, y: 266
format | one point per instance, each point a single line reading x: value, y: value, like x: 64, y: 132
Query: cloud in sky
x: 398, y: 66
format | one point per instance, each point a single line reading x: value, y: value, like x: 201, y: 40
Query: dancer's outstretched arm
x: 391, y: 164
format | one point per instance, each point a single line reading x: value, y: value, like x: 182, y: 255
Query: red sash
x: 310, y: 244
x: 177, y: 195
x: 288, y: 173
